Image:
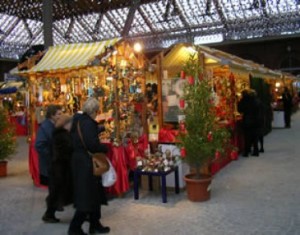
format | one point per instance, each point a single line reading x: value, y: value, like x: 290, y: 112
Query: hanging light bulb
x: 137, y: 47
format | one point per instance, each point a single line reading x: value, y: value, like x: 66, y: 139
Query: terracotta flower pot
x: 198, y: 190
x: 3, y: 168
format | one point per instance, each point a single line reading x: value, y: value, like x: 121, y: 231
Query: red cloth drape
x: 122, y: 158
x: 33, y: 162
x: 167, y: 136
x: 117, y: 157
x: 20, y: 124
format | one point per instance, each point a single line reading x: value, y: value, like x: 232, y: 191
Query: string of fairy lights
x: 157, y: 23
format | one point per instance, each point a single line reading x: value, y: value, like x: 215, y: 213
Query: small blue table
x: 161, y: 174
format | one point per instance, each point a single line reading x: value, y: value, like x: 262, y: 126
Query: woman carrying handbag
x: 89, y: 193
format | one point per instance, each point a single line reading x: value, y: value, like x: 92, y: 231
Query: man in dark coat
x: 249, y: 108
x: 287, y: 107
x: 43, y: 142
x: 89, y: 193
x: 43, y: 146
x: 60, y: 177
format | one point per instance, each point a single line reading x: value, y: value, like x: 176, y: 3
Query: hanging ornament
x: 217, y: 155
x: 191, y: 80
x: 181, y: 103
x: 182, y: 126
x: 183, y: 152
x: 209, y: 136
x: 182, y: 74
x: 234, y: 155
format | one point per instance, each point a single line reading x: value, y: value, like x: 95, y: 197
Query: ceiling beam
x: 130, y: 16
x: 10, y: 29
x: 27, y: 28
x: 148, y: 23
x: 67, y: 35
x: 88, y: 29
x: 62, y: 34
x: 34, y: 36
x: 220, y: 13
x: 96, y: 29
x: 112, y: 21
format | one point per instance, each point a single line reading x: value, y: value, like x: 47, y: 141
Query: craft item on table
x: 158, y: 161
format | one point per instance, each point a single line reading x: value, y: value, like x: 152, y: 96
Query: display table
x: 162, y: 174
x: 183, y: 168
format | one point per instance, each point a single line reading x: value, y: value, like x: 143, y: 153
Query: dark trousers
x: 251, y: 139
x: 44, y: 180
x: 52, y: 198
x: 80, y: 216
x: 287, y: 117
x: 261, y: 141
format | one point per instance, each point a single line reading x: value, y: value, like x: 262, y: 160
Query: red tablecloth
x: 122, y: 158
x: 34, y: 164
x: 167, y: 135
x: 20, y: 124
x: 117, y: 156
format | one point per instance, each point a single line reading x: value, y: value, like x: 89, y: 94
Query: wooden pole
x: 159, y: 73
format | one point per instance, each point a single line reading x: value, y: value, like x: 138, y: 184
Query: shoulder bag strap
x: 80, y: 136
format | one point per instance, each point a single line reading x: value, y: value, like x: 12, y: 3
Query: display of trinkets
x: 159, y: 161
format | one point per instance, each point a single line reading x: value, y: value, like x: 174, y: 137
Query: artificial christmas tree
x: 7, y: 141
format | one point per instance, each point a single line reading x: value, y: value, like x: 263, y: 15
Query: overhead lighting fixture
x: 208, y: 39
x: 137, y: 47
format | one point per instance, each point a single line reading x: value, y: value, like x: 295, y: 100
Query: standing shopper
x: 249, y: 108
x: 43, y: 146
x: 60, y: 177
x: 287, y: 107
x: 89, y: 193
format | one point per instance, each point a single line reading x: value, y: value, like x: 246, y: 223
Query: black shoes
x: 80, y: 232
x: 261, y: 150
x: 60, y: 208
x: 245, y: 155
x: 99, y: 230
x: 255, y: 154
x: 50, y: 219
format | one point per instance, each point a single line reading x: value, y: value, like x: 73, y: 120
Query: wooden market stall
x: 13, y: 97
x: 111, y: 71
x: 229, y: 76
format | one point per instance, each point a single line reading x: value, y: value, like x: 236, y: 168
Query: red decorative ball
x: 191, y: 80
x: 182, y: 126
x: 234, y: 155
x: 183, y: 152
x: 209, y: 136
x: 217, y: 155
x: 181, y: 103
x: 182, y: 74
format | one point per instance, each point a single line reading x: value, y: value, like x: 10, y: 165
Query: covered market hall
x: 149, y: 117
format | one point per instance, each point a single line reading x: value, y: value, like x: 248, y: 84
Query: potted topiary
x: 201, y: 137
x: 7, y: 141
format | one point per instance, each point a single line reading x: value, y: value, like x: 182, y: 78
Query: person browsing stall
x: 89, y: 193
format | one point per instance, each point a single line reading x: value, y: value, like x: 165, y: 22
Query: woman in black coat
x: 89, y: 193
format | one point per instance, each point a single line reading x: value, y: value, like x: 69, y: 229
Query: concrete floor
x: 257, y: 196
